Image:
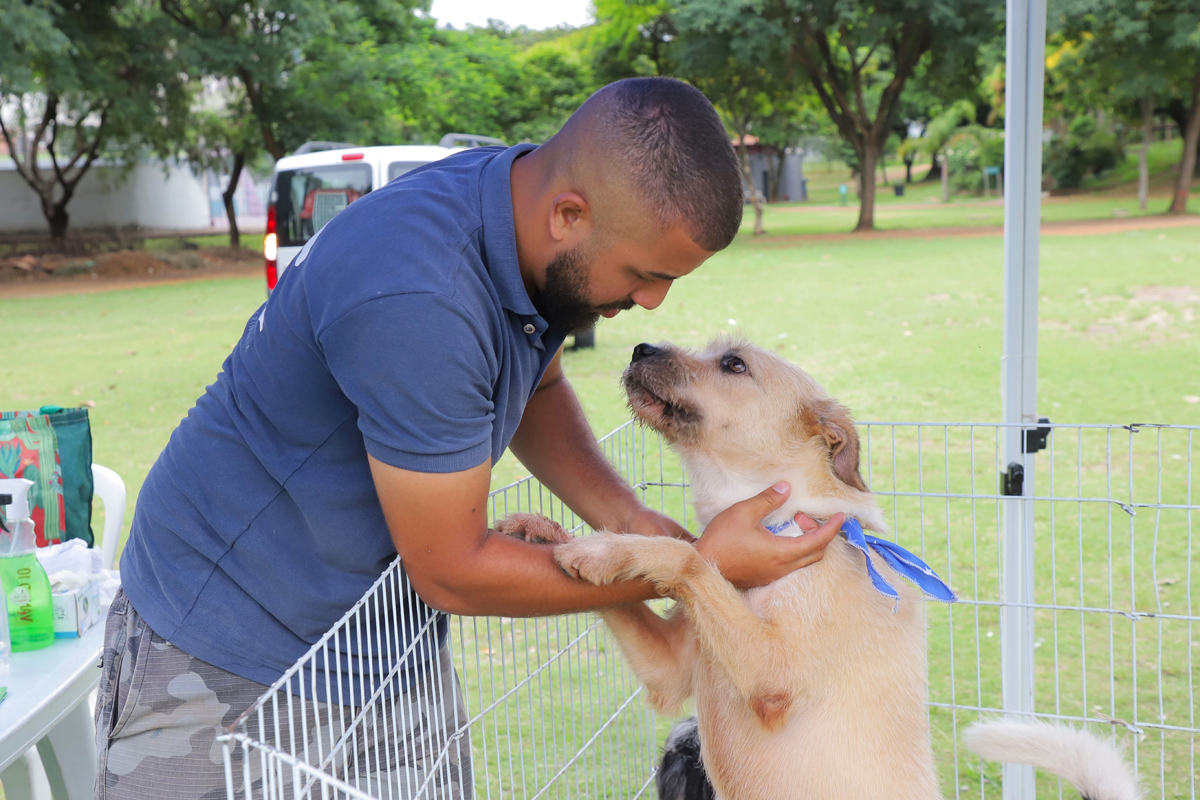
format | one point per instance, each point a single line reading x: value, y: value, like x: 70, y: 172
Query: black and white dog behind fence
x: 681, y: 774
x: 1094, y: 767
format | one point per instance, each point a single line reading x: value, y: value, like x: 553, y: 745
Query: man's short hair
x: 679, y: 154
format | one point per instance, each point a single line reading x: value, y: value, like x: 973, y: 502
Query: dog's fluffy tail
x: 1094, y: 767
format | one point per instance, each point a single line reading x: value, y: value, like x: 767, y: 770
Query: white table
x: 47, y: 706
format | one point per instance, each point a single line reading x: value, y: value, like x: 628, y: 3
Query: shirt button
x: 529, y: 327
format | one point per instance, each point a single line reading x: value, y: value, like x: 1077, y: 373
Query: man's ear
x: 570, y: 218
x: 831, y: 420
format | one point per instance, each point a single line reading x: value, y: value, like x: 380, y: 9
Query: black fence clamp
x: 1012, y: 480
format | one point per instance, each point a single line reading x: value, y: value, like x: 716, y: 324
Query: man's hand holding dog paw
x: 749, y: 555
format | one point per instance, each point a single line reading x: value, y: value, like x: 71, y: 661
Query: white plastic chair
x: 111, y: 491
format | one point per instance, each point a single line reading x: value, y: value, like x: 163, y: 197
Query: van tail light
x: 271, y: 249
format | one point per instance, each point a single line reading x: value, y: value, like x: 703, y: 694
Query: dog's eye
x: 733, y: 364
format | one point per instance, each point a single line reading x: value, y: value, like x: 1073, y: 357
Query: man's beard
x: 563, y: 301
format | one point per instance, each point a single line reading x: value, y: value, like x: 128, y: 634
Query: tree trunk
x: 58, y: 220
x: 254, y: 95
x: 776, y: 177
x: 883, y: 169
x: 1187, y: 164
x: 1179, y: 114
x: 908, y: 162
x: 866, y: 195
x: 239, y: 161
x: 1144, y: 152
x: 55, y: 212
x: 945, y: 171
x: 755, y: 197
x: 935, y: 167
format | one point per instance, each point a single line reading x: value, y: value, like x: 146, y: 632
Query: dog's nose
x: 644, y: 350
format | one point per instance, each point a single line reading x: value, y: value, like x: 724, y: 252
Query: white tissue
x: 73, y: 564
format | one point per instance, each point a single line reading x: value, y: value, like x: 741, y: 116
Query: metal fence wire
x: 547, y: 708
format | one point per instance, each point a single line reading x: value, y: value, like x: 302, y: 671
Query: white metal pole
x: 1025, y: 63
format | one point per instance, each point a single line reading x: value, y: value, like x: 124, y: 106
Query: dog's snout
x: 644, y: 350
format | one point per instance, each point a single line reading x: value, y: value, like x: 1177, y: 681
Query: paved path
x: 84, y: 284
x: 1083, y: 227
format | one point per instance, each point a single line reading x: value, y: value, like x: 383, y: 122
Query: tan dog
x: 813, y: 686
x: 810, y: 687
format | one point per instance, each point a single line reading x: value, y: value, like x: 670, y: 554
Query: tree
x: 309, y: 68
x: 555, y: 80
x: 938, y: 132
x: 734, y: 55
x: 631, y: 39
x: 942, y: 80
x: 483, y: 80
x: 223, y: 138
x: 1137, y: 52
x: 81, y: 82
x: 791, y: 120
x: 859, y: 55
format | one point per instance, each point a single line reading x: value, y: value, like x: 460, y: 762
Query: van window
x: 398, y: 168
x: 307, y: 198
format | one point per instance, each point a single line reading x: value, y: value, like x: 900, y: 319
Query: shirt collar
x: 500, y: 233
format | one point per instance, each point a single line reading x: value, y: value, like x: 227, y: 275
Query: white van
x: 310, y: 187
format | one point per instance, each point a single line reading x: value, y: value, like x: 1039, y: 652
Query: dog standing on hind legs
x: 815, y: 685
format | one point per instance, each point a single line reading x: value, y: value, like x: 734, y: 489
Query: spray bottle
x: 5, y: 641
x: 26, y: 587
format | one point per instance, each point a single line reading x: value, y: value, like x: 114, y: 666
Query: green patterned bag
x: 73, y: 439
x: 28, y: 449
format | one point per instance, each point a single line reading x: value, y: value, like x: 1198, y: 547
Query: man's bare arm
x: 556, y: 444
x: 439, y: 525
x: 440, y: 528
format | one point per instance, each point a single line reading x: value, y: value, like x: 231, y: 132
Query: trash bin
x: 899, y: 189
x: 585, y: 339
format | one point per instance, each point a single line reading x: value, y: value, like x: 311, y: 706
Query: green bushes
x: 1066, y: 160
x: 968, y: 151
x: 1085, y: 150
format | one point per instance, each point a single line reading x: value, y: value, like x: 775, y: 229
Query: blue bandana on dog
x: 899, y: 559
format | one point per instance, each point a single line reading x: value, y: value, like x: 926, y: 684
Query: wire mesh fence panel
x: 491, y: 707
x: 399, y: 702
x: 1117, y: 578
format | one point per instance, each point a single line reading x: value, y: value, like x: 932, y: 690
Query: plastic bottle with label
x: 26, y: 587
x: 5, y: 641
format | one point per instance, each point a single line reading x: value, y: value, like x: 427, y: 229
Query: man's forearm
x: 557, y: 445
x: 509, y: 577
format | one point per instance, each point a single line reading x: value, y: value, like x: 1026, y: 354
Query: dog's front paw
x: 596, y: 559
x: 533, y: 528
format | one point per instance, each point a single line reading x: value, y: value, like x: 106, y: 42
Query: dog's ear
x: 831, y: 421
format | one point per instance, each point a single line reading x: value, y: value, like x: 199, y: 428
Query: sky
x: 535, y: 14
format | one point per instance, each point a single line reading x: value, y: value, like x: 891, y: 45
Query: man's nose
x: 644, y: 350
x: 651, y: 297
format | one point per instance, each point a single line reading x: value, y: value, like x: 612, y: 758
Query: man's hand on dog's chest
x: 748, y: 555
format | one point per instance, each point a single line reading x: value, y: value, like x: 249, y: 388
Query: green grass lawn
x: 899, y: 329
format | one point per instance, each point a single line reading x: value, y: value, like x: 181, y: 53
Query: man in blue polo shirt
x: 412, y: 341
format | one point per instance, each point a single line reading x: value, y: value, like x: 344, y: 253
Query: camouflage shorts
x: 159, y: 713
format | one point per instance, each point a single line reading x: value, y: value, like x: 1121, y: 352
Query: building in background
x: 777, y: 176
x: 150, y: 196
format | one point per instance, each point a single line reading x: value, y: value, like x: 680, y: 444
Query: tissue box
x: 76, y: 610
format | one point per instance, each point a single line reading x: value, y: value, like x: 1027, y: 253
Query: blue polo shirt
x: 402, y: 330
